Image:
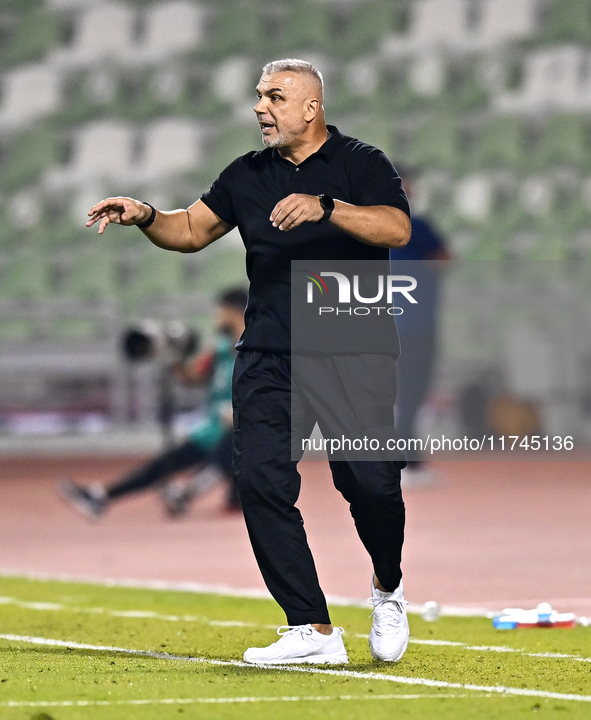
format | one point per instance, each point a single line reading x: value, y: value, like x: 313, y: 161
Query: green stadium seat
x: 36, y: 31
x: 568, y: 20
x: 157, y: 274
x: 376, y: 131
x: 233, y: 141
x: 307, y: 26
x: 12, y: 330
x: 32, y: 152
x: 500, y: 143
x: 368, y: 23
x: 463, y: 89
x: 26, y: 276
x: 566, y: 140
x: 436, y: 143
x: 238, y: 28
x: 223, y: 266
x: 92, y: 274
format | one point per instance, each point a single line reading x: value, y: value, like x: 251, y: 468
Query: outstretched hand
x: 118, y: 210
x: 296, y: 209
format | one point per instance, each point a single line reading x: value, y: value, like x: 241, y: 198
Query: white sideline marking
x: 501, y: 649
x: 491, y: 648
x: 226, y: 590
x: 54, y: 607
x: 46, y: 606
x: 215, y: 701
x: 311, y: 670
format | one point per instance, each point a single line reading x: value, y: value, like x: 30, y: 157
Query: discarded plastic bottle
x: 543, y: 616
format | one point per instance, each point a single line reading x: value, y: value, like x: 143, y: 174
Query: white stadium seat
x: 494, y: 26
x: 29, y: 92
x: 102, y: 149
x: 554, y: 78
x: 102, y: 31
x: 451, y: 24
x: 171, y: 146
x: 171, y: 28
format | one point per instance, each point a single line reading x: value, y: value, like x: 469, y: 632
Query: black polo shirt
x: 249, y: 188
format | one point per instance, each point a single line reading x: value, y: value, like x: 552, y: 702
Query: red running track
x: 490, y: 534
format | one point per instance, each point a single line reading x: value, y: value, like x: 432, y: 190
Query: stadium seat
x: 26, y: 276
x: 464, y: 90
x: 568, y: 22
x: 172, y: 146
x: 91, y: 274
x: 501, y: 142
x: 474, y: 197
x: 436, y: 143
x: 32, y: 152
x: 101, y: 149
x: 223, y: 266
x: 171, y: 28
x: 494, y: 27
x: 238, y: 27
x: 233, y: 141
x: 157, y: 274
x: 375, y: 132
x: 566, y: 140
x: 438, y: 21
x: 307, y: 26
x: 554, y: 78
x: 30, y: 92
x: 233, y: 81
x: 367, y: 24
x: 24, y: 42
x: 102, y: 32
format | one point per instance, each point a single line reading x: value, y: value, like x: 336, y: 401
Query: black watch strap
x: 150, y: 220
x: 327, y: 204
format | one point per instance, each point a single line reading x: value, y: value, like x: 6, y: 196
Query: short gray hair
x: 296, y: 66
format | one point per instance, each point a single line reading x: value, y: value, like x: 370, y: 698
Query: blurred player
x: 209, y: 445
x: 417, y: 329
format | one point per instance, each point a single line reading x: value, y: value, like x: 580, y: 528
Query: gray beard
x: 278, y: 141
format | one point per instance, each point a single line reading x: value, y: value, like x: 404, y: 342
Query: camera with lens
x: 169, y: 343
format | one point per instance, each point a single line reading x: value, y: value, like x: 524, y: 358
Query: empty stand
x: 29, y: 92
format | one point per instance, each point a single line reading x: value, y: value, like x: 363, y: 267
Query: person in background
x: 209, y: 444
x: 417, y: 329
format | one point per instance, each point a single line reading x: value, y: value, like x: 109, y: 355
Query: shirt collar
x: 327, y: 150
x: 330, y: 146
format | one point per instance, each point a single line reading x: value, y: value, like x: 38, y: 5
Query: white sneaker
x: 301, y: 644
x: 388, y: 638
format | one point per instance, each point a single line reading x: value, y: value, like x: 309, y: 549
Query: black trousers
x: 268, y: 481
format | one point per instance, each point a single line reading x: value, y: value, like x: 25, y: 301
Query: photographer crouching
x: 208, y: 445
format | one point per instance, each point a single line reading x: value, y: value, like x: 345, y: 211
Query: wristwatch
x: 327, y: 204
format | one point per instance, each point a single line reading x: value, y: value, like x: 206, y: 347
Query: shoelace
x: 285, y: 630
x: 385, y: 604
x: 292, y: 629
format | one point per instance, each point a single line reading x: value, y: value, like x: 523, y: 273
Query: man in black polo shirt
x: 312, y: 194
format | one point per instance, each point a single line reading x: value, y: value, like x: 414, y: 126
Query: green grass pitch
x: 72, y: 651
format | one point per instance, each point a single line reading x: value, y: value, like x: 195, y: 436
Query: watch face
x: 327, y: 203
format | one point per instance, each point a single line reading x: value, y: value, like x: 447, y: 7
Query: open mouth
x: 266, y: 127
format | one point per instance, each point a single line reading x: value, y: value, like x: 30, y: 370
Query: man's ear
x: 311, y: 110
